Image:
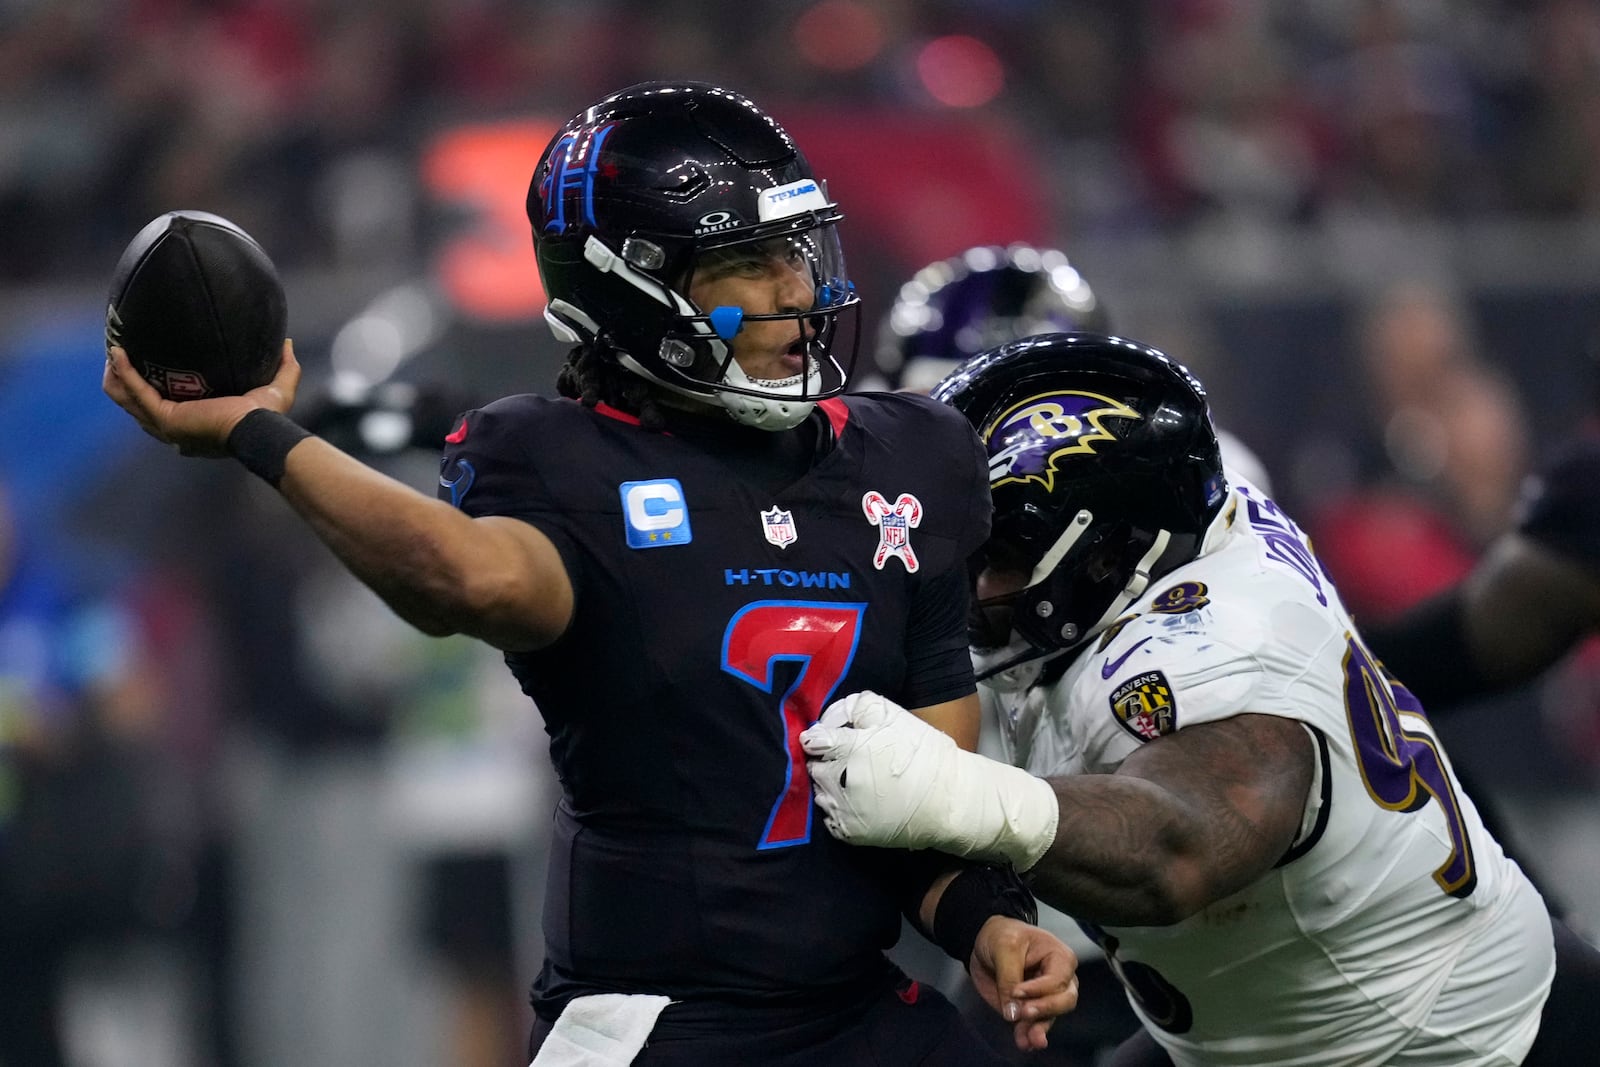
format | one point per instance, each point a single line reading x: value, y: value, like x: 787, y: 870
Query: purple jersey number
x: 1403, y: 769
x: 822, y: 638
x: 1162, y: 1002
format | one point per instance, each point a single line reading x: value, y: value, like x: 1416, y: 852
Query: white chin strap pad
x: 765, y: 414
x: 773, y: 412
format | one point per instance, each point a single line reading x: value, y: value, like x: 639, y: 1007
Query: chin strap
x: 1137, y: 584
x: 1010, y: 669
x: 764, y: 414
x: 1141, y: 573
x: 761, y: 413
x: 774, y: 412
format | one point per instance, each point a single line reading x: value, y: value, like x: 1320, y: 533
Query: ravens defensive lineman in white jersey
x: 1256, y: 821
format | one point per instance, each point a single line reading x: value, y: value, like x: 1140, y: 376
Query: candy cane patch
x: 895, y: 523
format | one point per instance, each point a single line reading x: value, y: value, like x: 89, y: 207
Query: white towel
x: 601, y: 1030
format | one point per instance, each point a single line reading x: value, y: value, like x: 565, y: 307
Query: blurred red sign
x: 924, y: 186
x: 915, y: 187
x: 487, y: 268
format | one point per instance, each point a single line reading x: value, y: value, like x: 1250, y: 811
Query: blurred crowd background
x: 247, y: 818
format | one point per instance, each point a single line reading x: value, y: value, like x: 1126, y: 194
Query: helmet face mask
x: 1105, y: 475
x: 643, y: 193
x: 700, y: 348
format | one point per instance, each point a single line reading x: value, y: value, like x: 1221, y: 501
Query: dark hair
x: 591, y: 375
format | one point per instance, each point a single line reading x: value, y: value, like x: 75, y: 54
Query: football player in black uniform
x: 1534, y: 595
x: 685, y: 559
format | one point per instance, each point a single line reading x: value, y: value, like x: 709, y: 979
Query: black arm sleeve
x: 971, y: 899
x: 1427, y: 650
x: 1562, y: 510
x: 978, y: 892
x: 938, y: 667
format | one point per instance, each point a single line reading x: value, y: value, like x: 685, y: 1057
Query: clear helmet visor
x: 767, y: 317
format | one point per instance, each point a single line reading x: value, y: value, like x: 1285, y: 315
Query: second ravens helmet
x: 953, y: 309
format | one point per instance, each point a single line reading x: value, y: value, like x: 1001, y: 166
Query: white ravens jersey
x: 1395, y: 930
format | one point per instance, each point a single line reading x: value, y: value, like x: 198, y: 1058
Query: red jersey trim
x: 838, y: 413
x: 612, y: 413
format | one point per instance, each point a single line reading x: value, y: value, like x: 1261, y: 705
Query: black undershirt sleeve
x: 1562, y: 513
x: 984, y: 890
x: 1426, y: 650
x: 938, y: 667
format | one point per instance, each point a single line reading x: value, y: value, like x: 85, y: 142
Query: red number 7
x: 820, y: 637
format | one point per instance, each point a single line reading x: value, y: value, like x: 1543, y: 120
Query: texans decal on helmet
x: 575, y: 164
x: 792, y: 199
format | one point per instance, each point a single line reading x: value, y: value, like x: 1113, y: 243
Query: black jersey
x: 1562, y: 509
x: 714, y: 620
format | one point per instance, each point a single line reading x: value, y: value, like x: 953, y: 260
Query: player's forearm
x: 961, y: 718
x: 1524, y: 608
x: 427, y: 560
x: 929, y: 905
x: 1125, y: 853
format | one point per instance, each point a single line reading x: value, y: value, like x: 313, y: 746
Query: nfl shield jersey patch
x: 778, y: 525
x: 1144, y: 707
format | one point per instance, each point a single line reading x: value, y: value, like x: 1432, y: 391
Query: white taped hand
x: 884, y: 777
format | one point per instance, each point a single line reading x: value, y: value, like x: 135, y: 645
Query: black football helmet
x: 951, y: 310
x: 1105, y: 475
x: 636, y: 190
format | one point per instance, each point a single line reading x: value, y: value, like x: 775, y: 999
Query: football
x: 198, y: 306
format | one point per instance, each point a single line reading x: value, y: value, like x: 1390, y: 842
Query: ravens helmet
x: 1105, y: 474
x: 637, y: 191
x: 953, y: 309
